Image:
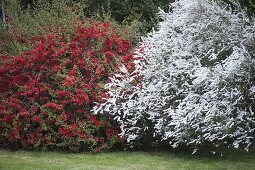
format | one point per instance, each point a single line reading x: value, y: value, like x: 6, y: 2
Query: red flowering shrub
x: 46, y: 94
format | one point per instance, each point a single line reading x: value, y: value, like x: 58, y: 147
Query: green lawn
x: 23, y: 160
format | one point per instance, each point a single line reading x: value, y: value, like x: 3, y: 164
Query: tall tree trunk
x: 2, y: 10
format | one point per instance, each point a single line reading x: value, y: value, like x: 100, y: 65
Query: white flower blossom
x: 197, y: 77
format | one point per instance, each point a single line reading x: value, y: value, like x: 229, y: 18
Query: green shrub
x: 46, y: 17
x: 22, y: 25
x: 143, y: 11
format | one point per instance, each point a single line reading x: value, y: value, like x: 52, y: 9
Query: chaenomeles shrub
x: 194, y: 82
x: 46, y: 94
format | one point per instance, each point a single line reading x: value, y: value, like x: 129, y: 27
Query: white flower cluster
x: 197, y: 78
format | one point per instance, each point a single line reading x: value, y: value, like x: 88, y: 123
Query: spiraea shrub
x: 194, y: 81
x: 46, y: 93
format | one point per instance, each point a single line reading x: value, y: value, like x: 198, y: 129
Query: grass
x: 26, y: 160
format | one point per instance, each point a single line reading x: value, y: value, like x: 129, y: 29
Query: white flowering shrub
x: 194, y: 82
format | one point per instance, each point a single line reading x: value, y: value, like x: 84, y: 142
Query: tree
x: 2, y: 11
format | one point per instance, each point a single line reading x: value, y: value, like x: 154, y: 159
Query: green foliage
x: 46, y: 16
x: 22, y: 25
x: 143, y: 11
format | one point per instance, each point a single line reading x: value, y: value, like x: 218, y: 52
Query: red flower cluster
x: 46, y: 93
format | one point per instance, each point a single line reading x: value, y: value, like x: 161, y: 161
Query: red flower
x: 43, y: 67
x: 24, y: 114
x: 73, y: 126
x: 127, y: 58
x: 53, y: 105
x: 81, y: 97
x: 37, y: 119
x: 64, y: 117
x: 109, y: 54
x: 94, y: 120
x: 66, y: 77
x: 69, y: 81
